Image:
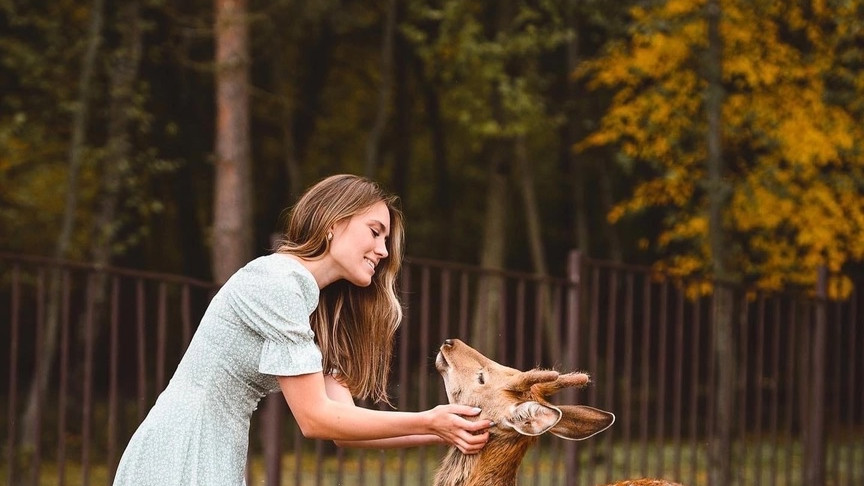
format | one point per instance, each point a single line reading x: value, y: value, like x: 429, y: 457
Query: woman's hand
x: 449, y: 423
x: 323, y: 409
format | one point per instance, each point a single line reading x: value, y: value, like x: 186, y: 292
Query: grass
x: 755, y: 463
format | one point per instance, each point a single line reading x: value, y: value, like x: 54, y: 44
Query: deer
x: 517, y: 402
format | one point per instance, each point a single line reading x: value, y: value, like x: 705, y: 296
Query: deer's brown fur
x: 518, y: 402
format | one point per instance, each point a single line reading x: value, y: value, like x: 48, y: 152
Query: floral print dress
x: 256, y: 328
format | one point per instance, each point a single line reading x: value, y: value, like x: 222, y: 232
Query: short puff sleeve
x: 274, y: 296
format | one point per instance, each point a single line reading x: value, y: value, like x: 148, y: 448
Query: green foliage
x: 40, y: 56
x: 497, y: 73
x: 38, y: 44
x: 475, y: 62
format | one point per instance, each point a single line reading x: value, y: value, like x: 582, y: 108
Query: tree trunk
x: 443, y: 196
x: 576, y: 168
x: 373, y: 141
x: 232, y: 207
x: 293, y: 179
x: 30, y: 422
x: 315, y: 61
x: 490, y: 288
x: 525, y: 177
x: 607, y: 200
x: 292, y: 165
x: 116, y: 162
x: 720, y: 450
x: 116, y: 165
x: 402, y: 129
x: 488, y: 322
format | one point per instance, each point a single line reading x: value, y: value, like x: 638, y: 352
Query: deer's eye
x: 480, y: 378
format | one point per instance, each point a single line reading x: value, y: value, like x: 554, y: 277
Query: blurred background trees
x: 514, y: 131
x: 718, y: 138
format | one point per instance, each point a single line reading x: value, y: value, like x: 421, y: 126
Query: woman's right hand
x: 449, y: 423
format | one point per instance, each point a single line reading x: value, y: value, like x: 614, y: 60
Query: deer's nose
x: 448, y: 342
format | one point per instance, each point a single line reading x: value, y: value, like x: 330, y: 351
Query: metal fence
x: 90, y: 348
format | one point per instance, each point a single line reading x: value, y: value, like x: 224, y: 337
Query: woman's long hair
x: 354, y: 326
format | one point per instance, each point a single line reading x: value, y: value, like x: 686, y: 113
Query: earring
x: 329, y: 236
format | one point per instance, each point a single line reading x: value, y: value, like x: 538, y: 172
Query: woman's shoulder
x: 280, y: 271
x: 281, y: 265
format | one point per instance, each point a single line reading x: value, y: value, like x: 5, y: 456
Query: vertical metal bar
x: 711, y: 390
x: 444, y: 315
x: 444, y: 319
x: 272, y: 434
x: 744, y: 355
x: 759, y: 389
x: 425, y: 342
x: 804, y: 375
x: 661, y: 372
x: 40, y: 338
x: 611, y: 331
x: 814, y: 460
x: 463, y: 303
x: 425, y: 346
x: 835, y: 417
x: 593, y: 360
x: 141, y: 349
x: 298, y: 456
x: 14, y: 342
x: 852, y: 380
x: 793, y: 357
x: 678, y: 382
x: 695, y: 384
x: 113, y: 382
x: 340, y: 466
x: 319, y: 462
x: 405, y: 342
x: 185, y: 316
x: 775, y: 391
x: 161, y: 337
x: 502, y: 326
x: 361, y: 466
x: 64, y: 381
x: 537, y: 336
x: 519, y: 361
x: 574, y: 268
x: 627, y: 392
x: 87, y: 399
x: 646, y: 373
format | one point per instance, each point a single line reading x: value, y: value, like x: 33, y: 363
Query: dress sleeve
x: 274, y: 307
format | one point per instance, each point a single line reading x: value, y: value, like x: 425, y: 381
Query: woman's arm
x: 321, y: 416
x: 339, y: 392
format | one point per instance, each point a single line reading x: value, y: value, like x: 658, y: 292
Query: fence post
x: 272, y: 422
x: 814, y: 454
x: 571, y: 351
x: 272, y: 435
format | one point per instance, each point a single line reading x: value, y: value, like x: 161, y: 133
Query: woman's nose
x: 381, y: 250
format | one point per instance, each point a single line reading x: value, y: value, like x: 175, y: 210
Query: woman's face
x: 359, y: 244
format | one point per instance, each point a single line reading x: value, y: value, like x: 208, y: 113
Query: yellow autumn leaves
x: 793, y: 142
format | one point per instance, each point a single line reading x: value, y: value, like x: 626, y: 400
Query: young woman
x: 316, y: 320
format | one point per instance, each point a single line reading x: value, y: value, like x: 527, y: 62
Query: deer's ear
x: 526, y: 379
x: 532, y: 418
x: 580, y: 422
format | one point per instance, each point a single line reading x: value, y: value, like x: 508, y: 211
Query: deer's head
x: 517, y: 401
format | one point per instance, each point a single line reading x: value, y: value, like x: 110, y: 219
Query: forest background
x: 719, y: 138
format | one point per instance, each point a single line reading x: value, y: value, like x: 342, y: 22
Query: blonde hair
x: 354, y: 326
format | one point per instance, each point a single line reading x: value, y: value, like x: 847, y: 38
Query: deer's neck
x: 496, y: 465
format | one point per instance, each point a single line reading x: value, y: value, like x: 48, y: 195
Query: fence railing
x: 90, y: 348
